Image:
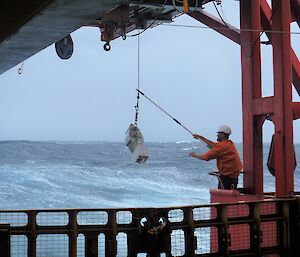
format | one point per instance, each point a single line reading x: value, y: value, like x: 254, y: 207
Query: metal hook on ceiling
x: 107, y: 46
x: 20, y: 70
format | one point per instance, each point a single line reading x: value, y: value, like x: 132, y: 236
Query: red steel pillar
x: 251, y: 96
x: 283, y: 119
x: 256, y: 15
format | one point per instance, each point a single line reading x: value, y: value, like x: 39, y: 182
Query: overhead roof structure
x: 27, y: 27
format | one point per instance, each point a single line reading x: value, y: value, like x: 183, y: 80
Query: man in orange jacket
x: 228, y: 161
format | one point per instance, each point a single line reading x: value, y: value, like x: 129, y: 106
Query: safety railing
x: 263, y: 228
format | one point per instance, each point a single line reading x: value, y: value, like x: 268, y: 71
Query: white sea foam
x: 183, y: 142
x: 190, y: 148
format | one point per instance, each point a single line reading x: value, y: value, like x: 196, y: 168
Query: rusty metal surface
x: 245, y: 228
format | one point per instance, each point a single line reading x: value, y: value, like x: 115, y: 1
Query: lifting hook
x: 107, y: 46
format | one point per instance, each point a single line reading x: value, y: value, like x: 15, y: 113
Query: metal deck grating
x: 124, y: 217
x: 80, y: 245
x: 52, y: 219
x: 19, y: 246
x: 175, y: 215
x: 92, y: 218
x: 52, y: 245
x: 101, y: 245
x: 177, y: 242
x: 240, y: 237
x: 207, y: 240
x: 269, y: 234
x: 122, y: 244
x: 15, y: 219
x: 268, y: 208
x: 204, y: 213
x: 241, y: 210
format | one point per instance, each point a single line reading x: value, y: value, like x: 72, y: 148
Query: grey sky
x: 192, y: 73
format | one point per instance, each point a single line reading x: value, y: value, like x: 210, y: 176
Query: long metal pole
x: 165, y: 112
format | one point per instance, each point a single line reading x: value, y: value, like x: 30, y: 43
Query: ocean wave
x: 183, y: 142
x: 100, y: 175
x: 189, y: 148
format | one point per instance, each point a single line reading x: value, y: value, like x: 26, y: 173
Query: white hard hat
x: 225, y: 129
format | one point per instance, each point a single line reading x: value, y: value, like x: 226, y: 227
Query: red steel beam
x: 283, y: 119
x: 296, y: 71
x: 266, y: 20
x: 234, y: 34
x: 218, y: 25
x: 263, y: 106
x: 296, y: 110
x: 295, y: 10
x: 251, y: 91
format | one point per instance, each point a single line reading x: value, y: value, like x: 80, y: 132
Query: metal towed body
x: 135, y: 142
